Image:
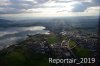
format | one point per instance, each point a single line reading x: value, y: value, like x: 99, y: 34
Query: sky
x: 48, y: 8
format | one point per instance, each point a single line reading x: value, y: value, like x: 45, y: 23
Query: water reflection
x: 9, y: 36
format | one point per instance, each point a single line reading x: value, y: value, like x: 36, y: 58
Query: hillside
x: 26, y: 53
x: 37, y: 49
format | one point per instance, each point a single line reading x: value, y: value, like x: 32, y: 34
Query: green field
x: 51, y: 39
x: 79, y: 52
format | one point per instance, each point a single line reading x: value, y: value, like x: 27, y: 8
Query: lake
x: 13, y: 35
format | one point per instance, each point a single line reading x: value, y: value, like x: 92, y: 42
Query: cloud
x: 46, y: 6
x: 93, y: 10
x: 73, y: 0
x: 42, y: 1
x: 22, y: 4
x: 79, y: 7
x: 15, y: 6
x: 96, y: 1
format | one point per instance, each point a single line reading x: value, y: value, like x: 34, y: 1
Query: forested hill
x: 26, y: 53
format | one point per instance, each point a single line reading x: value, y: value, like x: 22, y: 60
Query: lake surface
x: 12, y: 35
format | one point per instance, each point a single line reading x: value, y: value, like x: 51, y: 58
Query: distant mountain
x: 5, y: 23
x: 53, y: 22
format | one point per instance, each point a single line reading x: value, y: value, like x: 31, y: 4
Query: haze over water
x: 12, y: 35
